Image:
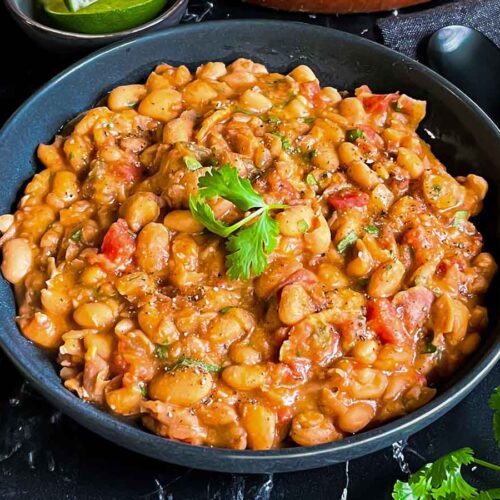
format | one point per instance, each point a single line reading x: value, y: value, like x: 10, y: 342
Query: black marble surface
x: 45, y: 455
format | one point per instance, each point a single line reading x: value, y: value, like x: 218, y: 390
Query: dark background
x: 45, y: 455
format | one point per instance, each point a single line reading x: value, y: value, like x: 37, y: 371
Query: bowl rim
x: 13, y: 7
x: 142, y: 441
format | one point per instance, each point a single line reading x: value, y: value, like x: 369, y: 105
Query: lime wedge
x: 74, y: 5
x: 102, y: 16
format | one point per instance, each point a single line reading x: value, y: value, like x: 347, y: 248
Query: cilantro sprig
x: 249, y: 246
x: 443, y: 478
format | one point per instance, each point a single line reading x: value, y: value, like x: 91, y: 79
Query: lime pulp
x: 103, y: 16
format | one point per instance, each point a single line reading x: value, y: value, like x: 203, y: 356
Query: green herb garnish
x: 285, y: 141
x: 161, y: 351
x: 309, y: 120
x: 429, y: 347
x: 194, y: 362
x: 443, y: 479
x: 309, y: 155
x: 237, y: 109
x: 347, y: 241
x: 311, y: 180
x: 459, y: 218
x: 396, y: 107
x: 354, y: 133
x: 192, y: 163
x: 248, y: 246
x: 143, y: 389
x: 273, y: 119
x: 302, y: 226
x: 225, y: 310
x: 76, y: 236
x: 371, y: 229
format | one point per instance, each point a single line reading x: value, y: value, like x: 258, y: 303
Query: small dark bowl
x: 26, y: 16
x: 461, y: 135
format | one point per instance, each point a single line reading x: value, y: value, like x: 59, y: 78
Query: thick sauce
x: 373, y: 290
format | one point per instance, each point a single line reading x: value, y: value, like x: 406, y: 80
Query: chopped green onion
x: 370, y: 229
x: 459, y: 218
x: 302, y: 226
x: 309, y: 120
x: 144, y: 390
x: 192, y: 163
x: 354, y: 133
x: 347, y: 241
x: 225, y: 310
x: 285, y: 141
x: 76, y: 236
x: 311, y: 180
x: 161, y: 351
x: 244, y: 111
x: 273, y: 119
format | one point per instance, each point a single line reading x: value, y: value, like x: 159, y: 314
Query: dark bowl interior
x: 460, y: 134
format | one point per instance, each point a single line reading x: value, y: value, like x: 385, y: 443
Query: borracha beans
x: 371, y: 295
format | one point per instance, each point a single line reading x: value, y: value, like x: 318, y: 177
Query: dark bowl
x: 27, y: 16
x: 462, y: 136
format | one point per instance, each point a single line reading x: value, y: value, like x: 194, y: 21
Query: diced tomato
x: 127, y: 172
x: 118, y: 244
x: 348, y: 199
x: 302, y: 275
x: 371, y: 136
x: 384, y: 321
x: 413, y: 306
x: 378, y: 103
x: 310, y: 90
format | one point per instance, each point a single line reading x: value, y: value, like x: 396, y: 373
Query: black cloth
x: 408, y: 33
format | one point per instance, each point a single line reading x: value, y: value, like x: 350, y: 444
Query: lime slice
x: 103, y: 16
x: 74, y: 5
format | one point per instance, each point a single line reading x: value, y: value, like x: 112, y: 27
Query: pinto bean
x: 17, y: 260
x: 184, y: 386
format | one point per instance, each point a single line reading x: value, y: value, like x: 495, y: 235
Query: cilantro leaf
x: 403, y: 491
x: 226, y: 183
x: 441, y: 479
x: 249, y: 247
x: 494, y: 404
x: 202, y: 212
